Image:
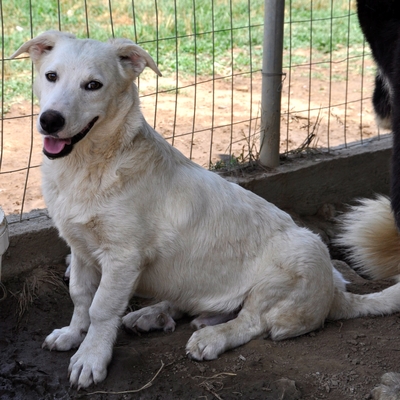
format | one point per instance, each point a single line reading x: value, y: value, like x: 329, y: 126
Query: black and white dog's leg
x: 381, y: 101
x: 395, y: 175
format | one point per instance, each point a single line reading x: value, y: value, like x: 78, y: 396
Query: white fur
x: 370, y: 235
x: 140, y: 217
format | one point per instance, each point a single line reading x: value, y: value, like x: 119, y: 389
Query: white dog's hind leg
x: 84, y: 281
x: 159, y: 316
x: 207, y: 343
x: 292, y: 300
x: 266, y: 310
x: 204, y: 320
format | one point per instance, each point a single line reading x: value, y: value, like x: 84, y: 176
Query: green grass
x: 327, y: 27
x: 233, y: 47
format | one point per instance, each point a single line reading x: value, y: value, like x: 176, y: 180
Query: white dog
x: 140, y: 217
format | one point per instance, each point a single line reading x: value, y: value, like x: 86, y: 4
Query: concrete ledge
x: 302, y: 185
x: 33, y: 241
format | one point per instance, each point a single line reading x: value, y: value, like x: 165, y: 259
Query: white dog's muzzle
x: 51, y: 122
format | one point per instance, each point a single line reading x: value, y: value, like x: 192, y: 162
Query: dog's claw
x: 161, y: 319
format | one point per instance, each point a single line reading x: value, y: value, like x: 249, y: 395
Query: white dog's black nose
x: 51, y: 122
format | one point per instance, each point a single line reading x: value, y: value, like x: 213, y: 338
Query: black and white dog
x: 380, y: 23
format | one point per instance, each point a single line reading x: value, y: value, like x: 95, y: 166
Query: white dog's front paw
x: 205, y: 344
x: 88, y: 365
x: 64, y: 339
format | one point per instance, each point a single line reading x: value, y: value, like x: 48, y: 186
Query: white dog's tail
x: 370, y: 236
x: 349, y: 305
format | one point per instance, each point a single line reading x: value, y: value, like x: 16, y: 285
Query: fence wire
x: 327, y: 91
x: 207, y: 103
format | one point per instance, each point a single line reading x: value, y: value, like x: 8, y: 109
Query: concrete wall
x: 33, y: 241
x: 302, y: 185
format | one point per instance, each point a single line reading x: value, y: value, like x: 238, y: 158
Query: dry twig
x: 212, y: 385
x: 147, y: 385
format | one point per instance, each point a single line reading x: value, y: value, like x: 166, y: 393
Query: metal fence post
x: 271, y: 82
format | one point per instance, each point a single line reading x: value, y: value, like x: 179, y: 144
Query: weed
x: 32, y: 285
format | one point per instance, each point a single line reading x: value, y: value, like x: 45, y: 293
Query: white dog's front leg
x: 89, y: 364
x: 84, y: 280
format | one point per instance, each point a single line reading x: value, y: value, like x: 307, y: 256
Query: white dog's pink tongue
x: 55, y: 146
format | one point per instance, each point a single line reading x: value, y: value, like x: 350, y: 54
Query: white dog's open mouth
x: 55, y: 148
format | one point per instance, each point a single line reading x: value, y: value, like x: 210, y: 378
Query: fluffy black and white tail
x: 372, y: 242
x: 371, y: 239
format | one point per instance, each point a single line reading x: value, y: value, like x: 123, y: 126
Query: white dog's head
x: 78, y: 82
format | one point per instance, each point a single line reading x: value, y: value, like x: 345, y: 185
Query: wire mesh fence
x: 207, y: 103
x: 329, y: 77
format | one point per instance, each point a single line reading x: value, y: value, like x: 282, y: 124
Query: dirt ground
x: 342, y: 360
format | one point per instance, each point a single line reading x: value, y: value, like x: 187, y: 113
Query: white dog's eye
x: 51, y: 76
x: 93, y: 85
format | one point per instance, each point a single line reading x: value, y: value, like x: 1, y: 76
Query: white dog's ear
x: 41, y: 44
x: 134, y: 56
